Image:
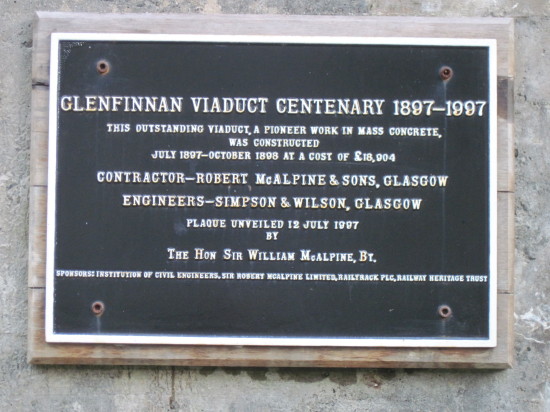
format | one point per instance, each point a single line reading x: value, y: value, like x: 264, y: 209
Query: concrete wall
x: 526, y: 387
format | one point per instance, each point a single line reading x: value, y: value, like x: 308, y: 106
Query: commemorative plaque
x: 264, y: 190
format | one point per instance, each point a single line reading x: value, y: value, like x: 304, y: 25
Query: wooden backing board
x: 40, y: 352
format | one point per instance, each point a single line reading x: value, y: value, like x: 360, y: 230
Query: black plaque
x: 271, y: 191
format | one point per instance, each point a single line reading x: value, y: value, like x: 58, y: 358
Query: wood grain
x: 40, y: 352
x: 37, y: 237
x: 505, y: 242
x: 505, y: 135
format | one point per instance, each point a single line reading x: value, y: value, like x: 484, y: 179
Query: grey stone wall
x: 526, y: 387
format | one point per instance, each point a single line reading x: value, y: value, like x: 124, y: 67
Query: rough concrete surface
x: 526, y: 387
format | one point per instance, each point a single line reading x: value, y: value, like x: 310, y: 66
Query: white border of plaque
x: 51, y: 336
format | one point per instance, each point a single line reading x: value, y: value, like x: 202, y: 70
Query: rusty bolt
x: 444, y: 311
x: 98, y: 307
x: 102, y: 67
x: 445, y: 73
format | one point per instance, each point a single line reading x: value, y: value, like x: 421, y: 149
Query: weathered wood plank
x: 39, y: 107
x: 41, y: 352
x: 506, y: 237
x: 40, y: 69
x: 497, y: 28
x: 505, y: 131
x: 39, y: 136
x: 39, y: 159
x: 37, y: 237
